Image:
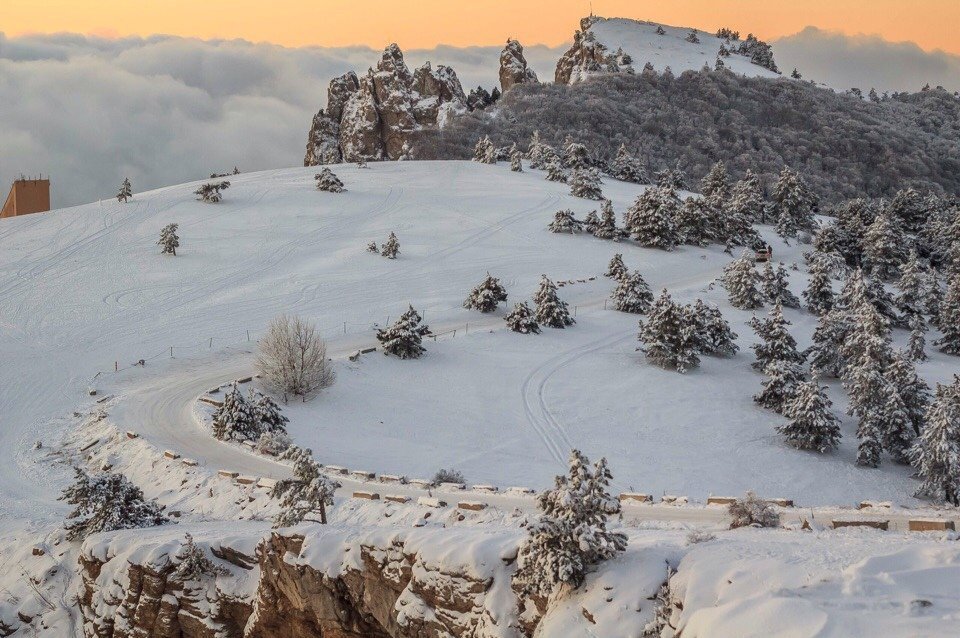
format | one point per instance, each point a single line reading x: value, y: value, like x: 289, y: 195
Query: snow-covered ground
x: 639, y: 39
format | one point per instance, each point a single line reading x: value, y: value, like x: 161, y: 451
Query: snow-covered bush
x: 564, y: 222
x: 570, y: 534
x: 404, y: 338
x: 292, y: 358
x: 616, y: 268
x: 585, y: 183
x: 193, y: 564
x: 273, y: 443
x: 486, y: 296
x: 373, y: 248
x: 391, y: 249
x: 752, y: 511
x: 309, y: 491
x: 107, y: 502
x: 327, y: 181
x: 521, y: 319
x: 211, y: 192
x: 169, y: 241
x: 451, y: 475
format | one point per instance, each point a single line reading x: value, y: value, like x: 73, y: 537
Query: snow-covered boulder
x: 513, y: 66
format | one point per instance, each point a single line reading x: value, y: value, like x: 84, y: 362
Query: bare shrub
x: 753, y: 512
x: 293, y: 358
x: 448, y: 476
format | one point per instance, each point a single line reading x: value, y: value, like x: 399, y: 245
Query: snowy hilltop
x: 621, y: 45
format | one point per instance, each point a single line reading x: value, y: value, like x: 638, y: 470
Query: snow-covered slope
x: 639, y: 40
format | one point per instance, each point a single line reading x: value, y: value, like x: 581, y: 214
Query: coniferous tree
x: 911, y: 293
x: 883, y: 251
x: 211, y: 192
x: 591, y: 222
x: 917, y: 340
x: 193, y: 564
x: 575, y: 155
x: 675, y: 177
x: 486, y: 296
x: 882, y: 300
x: 551, y: 311
x: 405, y: 337
x: 901, y: 373
x: 949, y: 318
x: 793, y: 204
x: 780, y: 386
x: 373, y: 248
x: 266, y: 413
x: 818, y: 294
x: 669, y: 338
x: 632, y: 294
x: 627, y: 168
x: 538, y: 152
x: 776, y: 343
x: 715, y: 185
x: 564, y: 222
x: 812, y: 424
x: 616, y: 268
x: 746, y: 198
x: 391, y: 249
x: 607, y: 228
x: 521, y: 319
x: 897, y: 433
x: 825, y: 355
x: 713, y: 333
x: 235, y: 419
x: 484, y: 151
x: 692, y: 223
x: 741, y: 281
x: 105, y: 503
x: 936, y: 453
x: 555, y: 170
x: 570, y: 534
x: 516, y: 159
x: 328, y: 182
x: 169, y: 240
x: 585, y: 183
x: 126, y: 191
x: 308, y: 491
x: 651, y: 218
x: 775, y: 286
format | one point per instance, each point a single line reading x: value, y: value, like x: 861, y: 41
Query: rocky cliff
x: 513, y: 67
x: 371, y: 117
x: 588, y: 55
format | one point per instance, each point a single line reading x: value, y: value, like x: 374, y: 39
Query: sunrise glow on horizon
x: 427, y: 23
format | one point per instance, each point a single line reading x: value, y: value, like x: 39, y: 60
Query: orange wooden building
x: 27, y: 196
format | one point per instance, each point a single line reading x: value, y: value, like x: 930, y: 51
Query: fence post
x: 388, y: 321
x: 211, y: 343
x: 344, y: 327
x: 466, y: 329
x: 575, y: 311
x: 116, y: 366
x: 171, y: 352
x: 604, y: 304
x: 248, y: 336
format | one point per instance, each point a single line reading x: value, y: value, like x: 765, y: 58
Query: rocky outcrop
x: 588, y: 56
x: 373, y: 116
x: 513, y: 67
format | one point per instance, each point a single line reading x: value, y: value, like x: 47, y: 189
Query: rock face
x: 513, y: 67
x: 588, y: 56
x: 371, y: 117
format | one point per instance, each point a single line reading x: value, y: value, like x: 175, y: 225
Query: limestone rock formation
x: 588, y: 56
x: 513, y: 67
x: 372, y: 117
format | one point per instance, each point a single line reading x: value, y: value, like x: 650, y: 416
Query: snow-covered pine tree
x: 692, y: 222
x: 607, y: 228
x: 867, y: 352
x: 537, y: 151
x: 781, y: 385
x: 746, y: 198
x: 740, y: 279
x: 627, y: 168
x: 193, y: 564
x: 660, y: 30
x: 406, y: 153
x: 616, y: 268
x: 733, y: 226
x: 715, y: 185
x: 516, y: 159
x: 675, y: 177
x: 913, y: 391
x: 869, y: 335
x: 391, y: 249
x: 651, y: 218
x: 483, y: 150
x: 793, y: 203
x: 328, y: 182
x: 235, y: 418
x: 692, y: 37
x: 551, y: 311
x: 591, y: 222
x: 775, y: 287
x: 882, y: 300
x: 486, y: 296
x: 564, y: 222
x: 776, y: 343
x: 883, y: 248
x: 570, y: 534
x: 897, y: 433
x: 585, y: 183
x: 266, y: 413
x: 936, y: 453
x: 307, y: 492
x: 211, y: 192
x: 126, y: 191
x: 105, y: 503
x: 404, y: 338
x: 632, y: 294
x: 934, y: 294
x: 575, y: 155
x: 812, y: 424
x: 555, y: 170
x: 825, y: 355
x: 911, y: 287
x: 917, y: 341
x: 169, y: 240
x: 818, y: 294
x: 521, y: 319
x: 949, y: 318
x: 373, y: 248
x: 668, y: 337
x: 713, y: 333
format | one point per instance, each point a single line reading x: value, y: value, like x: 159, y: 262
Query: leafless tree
x: 293, y: 358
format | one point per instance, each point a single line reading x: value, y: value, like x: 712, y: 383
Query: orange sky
x: 933, y: 24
